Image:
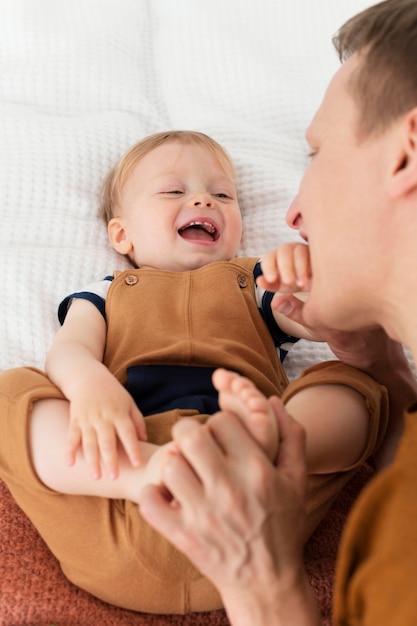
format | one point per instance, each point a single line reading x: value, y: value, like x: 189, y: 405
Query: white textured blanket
x: 82, y: 80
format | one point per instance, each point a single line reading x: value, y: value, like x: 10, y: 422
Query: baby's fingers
x: 107, y: 446
x: 270, y: 278
x: 293, y: 263
x: 286, y: 268
x: 130, y: 434
x: 278, y: 268
x: 302, y: 268
x: 139, y: 423
x: 91, y: 451
x: 85, y: 439
x: 73, y: 442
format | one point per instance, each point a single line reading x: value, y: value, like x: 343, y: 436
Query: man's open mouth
x: 199, y: 230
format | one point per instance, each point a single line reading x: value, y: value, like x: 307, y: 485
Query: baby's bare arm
x: 101, y: 410
x: 336, y: 422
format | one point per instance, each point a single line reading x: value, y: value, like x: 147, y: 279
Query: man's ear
x: 404, y: 175
x: 118, y: 236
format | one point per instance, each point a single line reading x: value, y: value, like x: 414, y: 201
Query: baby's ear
x: 118, y: 236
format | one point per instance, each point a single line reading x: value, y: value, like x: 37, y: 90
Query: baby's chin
x: 184, y: 263
x: 198, y: 262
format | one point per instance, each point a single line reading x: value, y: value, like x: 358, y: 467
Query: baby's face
x: 179, y: 210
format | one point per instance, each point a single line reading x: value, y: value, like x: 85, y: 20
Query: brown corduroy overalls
x: 206, y: 317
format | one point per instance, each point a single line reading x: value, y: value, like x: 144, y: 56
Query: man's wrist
x: 277, y: 604
x: 396, y: 374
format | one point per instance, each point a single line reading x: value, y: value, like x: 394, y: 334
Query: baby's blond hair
x: 113, y: 183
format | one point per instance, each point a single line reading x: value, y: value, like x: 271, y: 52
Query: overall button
x: 242, y: 281
x: 131, y: 280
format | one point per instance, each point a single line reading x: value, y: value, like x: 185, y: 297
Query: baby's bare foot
x: 240, y: 396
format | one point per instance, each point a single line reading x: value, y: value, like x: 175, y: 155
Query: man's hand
x: 239, y: 519
x: 372, y: 351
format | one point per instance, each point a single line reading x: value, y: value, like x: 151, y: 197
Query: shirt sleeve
x: 95, y: 293
x: 282, y: 341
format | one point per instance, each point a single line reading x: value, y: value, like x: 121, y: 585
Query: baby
x: 148, y: 341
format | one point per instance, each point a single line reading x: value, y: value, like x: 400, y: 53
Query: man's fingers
x: 291, y: 457
x: 161, y: 505
x: 233, y: 437
x: 167, y: 517
x: 208, y: 449
x: 181, y: 480
x: 198, y: 447
x: 156, y: 508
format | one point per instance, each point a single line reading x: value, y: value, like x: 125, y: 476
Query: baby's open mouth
x: 199, y: 230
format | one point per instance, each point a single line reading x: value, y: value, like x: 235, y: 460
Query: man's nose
x: 294, y: 218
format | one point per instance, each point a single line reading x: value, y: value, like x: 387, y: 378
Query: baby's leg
x: 240, y: 396
x: 48, y: 431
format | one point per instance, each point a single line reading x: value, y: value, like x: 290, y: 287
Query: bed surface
x: 82, y: 81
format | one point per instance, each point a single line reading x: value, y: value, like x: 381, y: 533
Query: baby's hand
x: 99, y: 419
x: 287, y: 272
x: 286, y: 269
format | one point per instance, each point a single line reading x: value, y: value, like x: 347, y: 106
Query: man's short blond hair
x: 384, y: 84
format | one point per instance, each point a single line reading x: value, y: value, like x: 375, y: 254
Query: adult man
x: 357, y: 209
